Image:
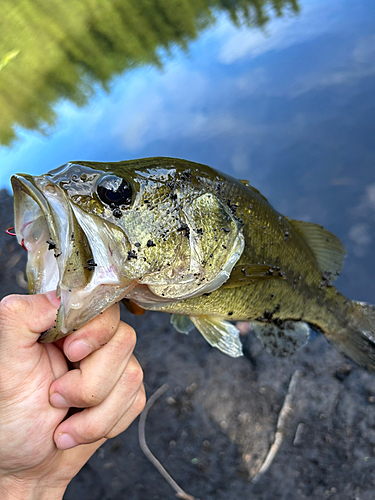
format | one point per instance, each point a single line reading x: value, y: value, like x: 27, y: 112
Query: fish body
x: 171, y: 235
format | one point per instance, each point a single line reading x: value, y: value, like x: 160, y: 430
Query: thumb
x: 24, y: 317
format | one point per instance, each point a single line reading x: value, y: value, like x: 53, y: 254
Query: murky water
x: 286, y: 102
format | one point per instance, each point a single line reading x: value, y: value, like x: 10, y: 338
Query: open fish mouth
x: 68, y: 252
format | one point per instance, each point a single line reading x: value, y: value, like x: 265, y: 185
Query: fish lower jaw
x: 77, y: 299
x: 78, y: 307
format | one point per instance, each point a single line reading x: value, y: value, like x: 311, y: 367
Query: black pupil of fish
x: 113, y: 193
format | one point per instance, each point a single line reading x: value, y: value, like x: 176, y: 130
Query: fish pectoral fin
x: 250, y: 273
x: 220, y: 334
x: 133, y: 307
x: 182, y: 324
x: 282, y: 339
x: 328, y: 250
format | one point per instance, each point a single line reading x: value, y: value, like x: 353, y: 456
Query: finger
x: 114, y: 414
x: 57, y: 359
x: 82, y: 453
x: 131, y: 414
x: 73, y: 458
x: 97, y: 374
x: 93, y: 335
x: 243, y: 327
x: 24, y: 317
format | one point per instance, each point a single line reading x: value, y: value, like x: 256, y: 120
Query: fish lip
x: 26, y: 184
x: 58, y: 221
x: 25, y: 189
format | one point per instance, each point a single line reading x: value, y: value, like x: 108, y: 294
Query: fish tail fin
x: 357, y: 339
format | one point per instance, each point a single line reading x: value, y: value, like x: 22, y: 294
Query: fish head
x: 100, y: 232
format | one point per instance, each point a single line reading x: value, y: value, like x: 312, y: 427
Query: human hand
x: 40, y: 452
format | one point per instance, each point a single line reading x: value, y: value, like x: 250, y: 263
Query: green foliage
x: 58, y: 49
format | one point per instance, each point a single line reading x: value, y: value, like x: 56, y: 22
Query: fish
x: 171, y: 235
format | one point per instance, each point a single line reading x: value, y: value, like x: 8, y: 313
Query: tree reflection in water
x: 59, y: 49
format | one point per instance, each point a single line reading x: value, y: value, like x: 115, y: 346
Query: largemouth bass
x: 171, y: 235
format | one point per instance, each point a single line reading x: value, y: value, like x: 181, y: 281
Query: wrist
x: 16, y: 489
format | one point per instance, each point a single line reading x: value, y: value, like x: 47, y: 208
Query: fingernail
x: 79, y: 349
x: 51, y: 296
x: 58, y: 401
x: 65, y: 441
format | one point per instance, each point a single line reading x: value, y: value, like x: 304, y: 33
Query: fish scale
x: 176, y: 236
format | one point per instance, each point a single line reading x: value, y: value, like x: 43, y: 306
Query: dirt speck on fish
x: 171, y: 235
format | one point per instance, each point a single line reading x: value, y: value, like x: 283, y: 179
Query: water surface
x: 286, y: 102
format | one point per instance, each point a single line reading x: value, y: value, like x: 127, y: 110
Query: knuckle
x: 140, y: 401
x: 134, y: 376
x: 130, y: 337
x: 13, y: 305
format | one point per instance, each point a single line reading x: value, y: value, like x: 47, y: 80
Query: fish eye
x: 114, y: 191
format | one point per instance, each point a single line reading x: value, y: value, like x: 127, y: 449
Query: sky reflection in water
x: 291, y: 108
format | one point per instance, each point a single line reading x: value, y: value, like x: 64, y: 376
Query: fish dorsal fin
x: 220, y: 334
x: 326, y: 247
x: 282, y: 339
x: 242, y: 275
x: 247, y: 184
